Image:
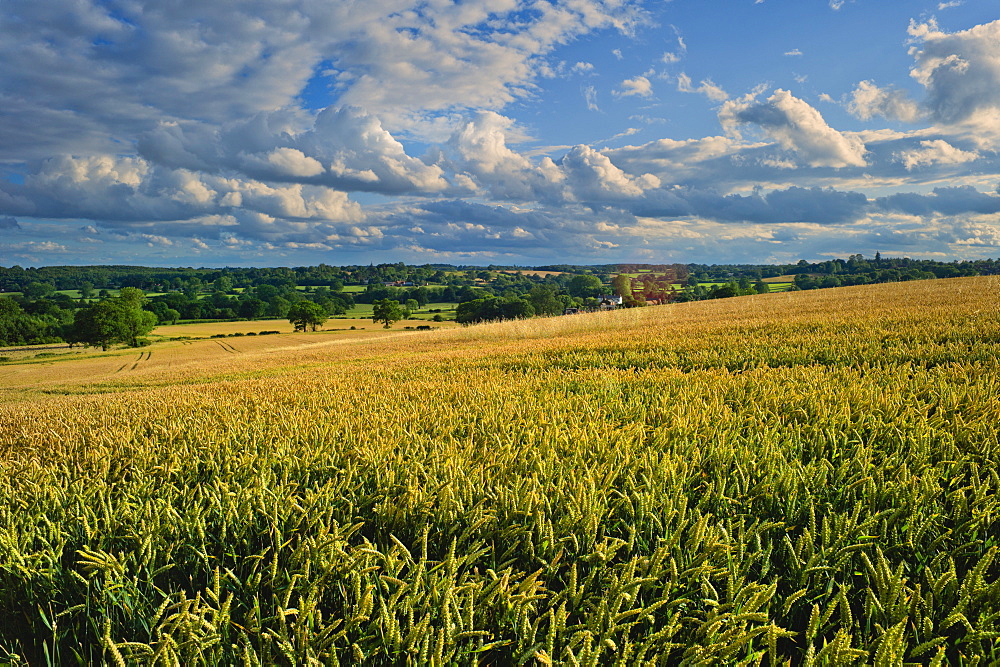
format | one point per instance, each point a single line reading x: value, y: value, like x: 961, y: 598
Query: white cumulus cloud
x: 961, y: 72
x: 342, y: 147
x: 868, y: 100
x: 639, y: 86
x: 84, y: 75
x: 592, y: 176
x: 935, y: 151
x: 797, y: 127
x: 707, y: 88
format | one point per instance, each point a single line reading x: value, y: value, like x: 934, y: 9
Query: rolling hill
x: 803, y: 476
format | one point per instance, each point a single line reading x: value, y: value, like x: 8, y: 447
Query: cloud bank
x: 305, y: 127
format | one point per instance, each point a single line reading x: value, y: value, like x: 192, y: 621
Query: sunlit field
x: 170, y: 345
x: 211, y: 328
x: 803, y: 477
x: 202, y: 348
x: 202, y: 329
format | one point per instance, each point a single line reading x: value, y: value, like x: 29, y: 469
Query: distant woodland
x: 60, y: 303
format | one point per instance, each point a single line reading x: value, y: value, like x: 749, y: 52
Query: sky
x: 524, y: 132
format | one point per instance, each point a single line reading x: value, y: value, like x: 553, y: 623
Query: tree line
x: 40, y: 311
x: 154, y: 279
x: 42, y: 315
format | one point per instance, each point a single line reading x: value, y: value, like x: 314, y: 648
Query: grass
x: 209, y: 327
x: 23, y: 353
x: 364, y: 310
x: 805, y: 477
x: 360, y: 310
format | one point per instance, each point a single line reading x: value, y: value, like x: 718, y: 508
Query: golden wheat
x: 805, y: 476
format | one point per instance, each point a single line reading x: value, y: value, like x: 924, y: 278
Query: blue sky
x: 291, y: 132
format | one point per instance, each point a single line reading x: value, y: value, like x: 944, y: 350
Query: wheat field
x: 790, y: 478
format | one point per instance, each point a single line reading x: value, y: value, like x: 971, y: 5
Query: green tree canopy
x: 37, y: 290
x: 493, y: 308
x: 543, y: 300
x: 304, y: 314
x: 622, y: 285
x: 20, y: 328
x: 118, y: 320
x: 277, y: 307
x: 136, y: 321
x: 387, y: 311
x: 584, y: 286
x: 251, y: 308
x: 223, y: 284
x: 132, y: 297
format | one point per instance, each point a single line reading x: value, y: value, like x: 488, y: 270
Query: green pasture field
x: 359, y: 310
x: 362, y: 310
x: 787, y: 478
